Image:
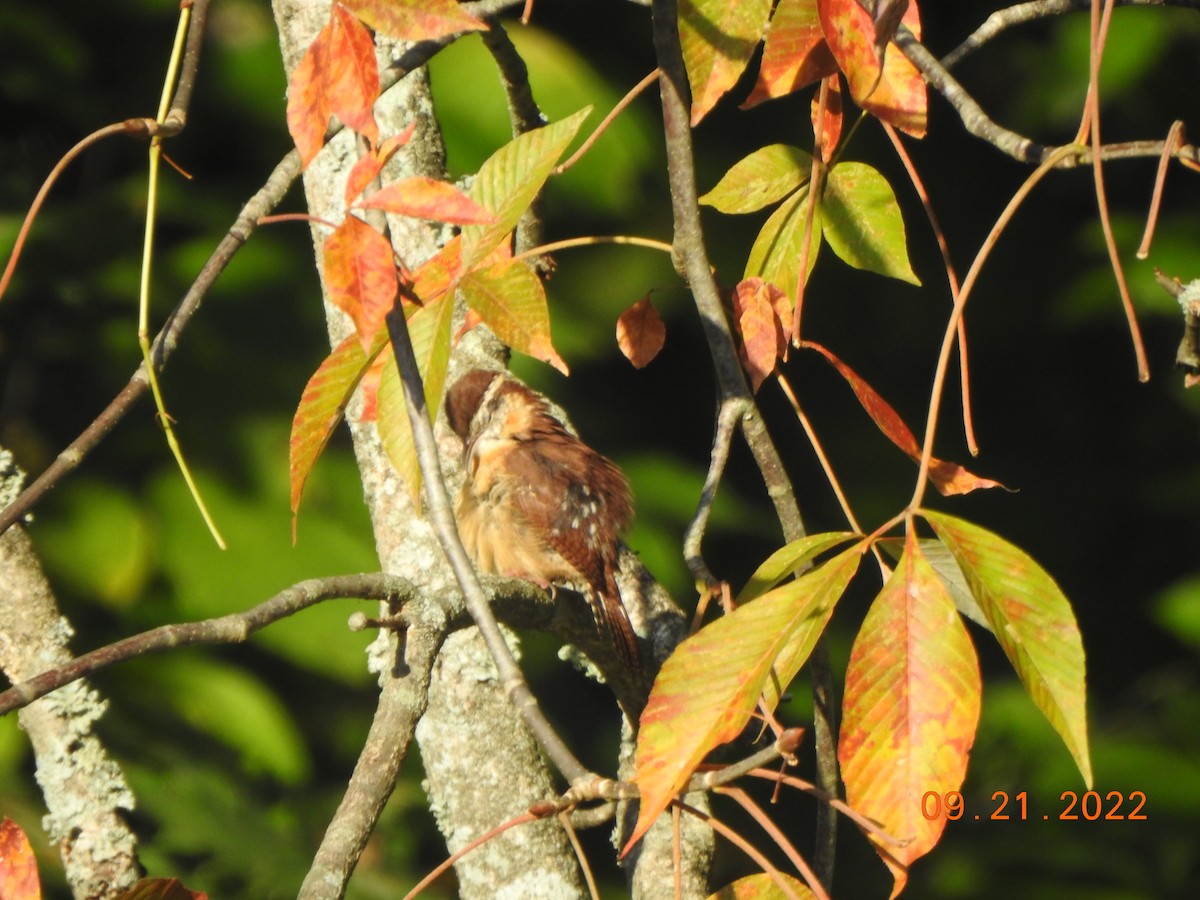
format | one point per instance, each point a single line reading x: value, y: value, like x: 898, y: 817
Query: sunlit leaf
x: 764, y: 177
x: 322, y: 406
x: 764, y: 887
x: 509, y: 297
x: 429, y: 330
x: 938, y: 555
x: 795, y: 54
x: 707, y: 689
x: 789, y: 560
x: 308, y: 108
x: 641, y: 333
x: 352, y: 79
x: 18, y: 867
x: 910, y: 710
x: 775, y: 256
x: 429, y: 198
x: 360, y: 275
x: 718, y: 38
x: 862, y: 221
x: 1033, y: 622
x: 415, y: 20
x: 510, y: 179
x: 371, y: 164
x: 897, y: 94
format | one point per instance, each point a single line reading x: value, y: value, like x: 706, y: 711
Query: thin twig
x: 780, y: 839
x: 1174, y: 139
x: 727, y: 418
x: 266, y: 199
x: 968, y: 286
x: 634, y: 92
x: 964, y: 373
x: 445, y: 865
x: 1003, y: 19
x: 230, y: 629
x: 751, y: 851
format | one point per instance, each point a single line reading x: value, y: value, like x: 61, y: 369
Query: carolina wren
x: 537, y: 502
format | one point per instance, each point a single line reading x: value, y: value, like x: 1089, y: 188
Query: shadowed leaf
x: 641, y: 333
x: 829, y: 125
x: 708, y: 688
x: 910, y: 710
x: 948, y: 477
x: 1033, y: 622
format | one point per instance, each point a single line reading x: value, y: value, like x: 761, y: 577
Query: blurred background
x: 238, y: 756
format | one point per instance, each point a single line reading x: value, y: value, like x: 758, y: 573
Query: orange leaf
x: 949, y: 478
x: 360, y: 275
x: 308, y: 107
x: 641, y: 333
x: 428, y: 198
x: 795, y: 55
x: 708, y: 688
x: 415, y: 20
x: 718, y: 39
x: 755, y: 306
x: 895, y: 93
x: 438, y: 272
x: 18, y: 868
x: 829, y: 127
x: 353, y: 76
x: 910, y: 711
x: 370, y: 165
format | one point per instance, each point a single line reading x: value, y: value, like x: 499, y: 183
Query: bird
x: 538, y: 503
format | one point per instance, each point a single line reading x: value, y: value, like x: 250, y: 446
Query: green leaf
x: 509, y: 297
x: 510, y: 180
x: 429, y: 329
x: 775, y: 256
x: 787, y: 560
x: 764, y: 177
x: 763, y: 886
x: 862, y: 221
x: 238, y: 710
x: 1032, y: 620
x: 709, y: 687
